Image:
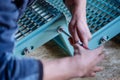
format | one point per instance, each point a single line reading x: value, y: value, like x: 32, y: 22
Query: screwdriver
x: 61, y: 29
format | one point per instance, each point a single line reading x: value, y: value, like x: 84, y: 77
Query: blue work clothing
x: 12, y: 67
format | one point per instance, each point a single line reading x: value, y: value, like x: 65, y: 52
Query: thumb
x: 78, y: 49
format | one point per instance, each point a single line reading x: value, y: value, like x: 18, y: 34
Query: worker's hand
x: 83, y: 64
x: 78, y: 25
x: 87, y: 61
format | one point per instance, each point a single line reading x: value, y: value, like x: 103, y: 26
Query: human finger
x: 83, y: 33
x: 85, y: 42
x: 98, y: 51
x: 73, y: 31
x: 78, y: 49
x: 98, y: 69
x: 93, y: 74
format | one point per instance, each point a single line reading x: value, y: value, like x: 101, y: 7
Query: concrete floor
x: 51, y: 51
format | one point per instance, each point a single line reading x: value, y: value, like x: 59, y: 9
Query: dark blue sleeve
x: 11, y: 67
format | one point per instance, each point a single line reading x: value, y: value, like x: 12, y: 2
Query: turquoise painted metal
x: 103, y: 17
x: 42, y: 20
x: 38, y: 25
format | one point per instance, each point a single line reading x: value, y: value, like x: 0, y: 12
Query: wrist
x: 76, y: 6
x: 70, y: 67
x: 79, y: 72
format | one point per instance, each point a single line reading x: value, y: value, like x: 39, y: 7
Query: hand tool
x: 61, y: 29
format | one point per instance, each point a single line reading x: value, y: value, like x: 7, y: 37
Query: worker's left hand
x: 78, y: 25
x: 88, y: 60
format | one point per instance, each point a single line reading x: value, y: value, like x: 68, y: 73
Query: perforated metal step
x: 103, y: 18
x: 42, y: 19
x: 101, y: 12
x: 34, y: 17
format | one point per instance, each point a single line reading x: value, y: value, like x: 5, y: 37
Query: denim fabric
x: 11, y: 67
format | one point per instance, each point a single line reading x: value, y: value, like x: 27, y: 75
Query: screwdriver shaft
x: 62, y: 30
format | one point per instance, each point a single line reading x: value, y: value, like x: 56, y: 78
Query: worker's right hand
x: 87, y: 61
x: 78, y: 27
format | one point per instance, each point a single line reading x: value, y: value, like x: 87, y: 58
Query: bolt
x: 103, y: 39
x: 26, y: 51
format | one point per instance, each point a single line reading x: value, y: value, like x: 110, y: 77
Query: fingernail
x: 86, y: 47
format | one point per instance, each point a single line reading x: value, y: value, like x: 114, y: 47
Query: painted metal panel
x: 41, y: 21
